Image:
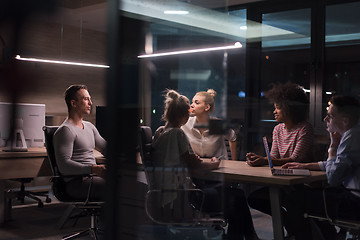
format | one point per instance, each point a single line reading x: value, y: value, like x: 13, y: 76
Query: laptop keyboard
x: 283, y: 171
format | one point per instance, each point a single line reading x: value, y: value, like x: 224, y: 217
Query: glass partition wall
x: 311, y: 43
x: 197, y: 28
x: 280, y: 42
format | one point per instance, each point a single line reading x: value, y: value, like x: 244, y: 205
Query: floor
x: 30, y: 222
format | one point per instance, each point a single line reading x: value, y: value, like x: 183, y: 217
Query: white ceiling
x: 94, y: 16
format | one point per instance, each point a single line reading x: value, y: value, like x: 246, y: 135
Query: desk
x: 239, y: 171
x: 30, y: 164
x: 21, y: 165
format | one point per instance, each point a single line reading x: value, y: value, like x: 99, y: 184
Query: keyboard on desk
x: 290, y: 172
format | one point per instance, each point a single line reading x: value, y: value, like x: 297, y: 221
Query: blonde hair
x: 209, y: 98
x: 176, y: 107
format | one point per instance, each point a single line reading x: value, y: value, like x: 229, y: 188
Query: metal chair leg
x: 92, y: 231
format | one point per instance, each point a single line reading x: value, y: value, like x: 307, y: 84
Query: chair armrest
x: 198, y: 217
x: 351, y: 190
x: 59, y: 187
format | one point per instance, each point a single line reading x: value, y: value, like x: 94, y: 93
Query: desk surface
x: 239, y: 171
x: 32, y: 152
x: 24, y: 164
x: 32, y: 163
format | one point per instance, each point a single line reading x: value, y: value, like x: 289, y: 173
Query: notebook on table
x: 283, y: 171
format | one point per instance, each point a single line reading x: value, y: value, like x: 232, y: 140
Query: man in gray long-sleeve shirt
x: 74, y: 143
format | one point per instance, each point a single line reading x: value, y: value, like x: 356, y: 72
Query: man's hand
x: 293, y: 165
x: 335, y: 138
x: 314, y: 166
x: 99, y: 170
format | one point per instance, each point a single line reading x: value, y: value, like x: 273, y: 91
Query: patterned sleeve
x: 303, y: 146
x: 275, y: 143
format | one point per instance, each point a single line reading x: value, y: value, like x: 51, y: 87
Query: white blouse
x: 206, y: 145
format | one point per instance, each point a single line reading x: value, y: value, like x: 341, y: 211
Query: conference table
x: 241, y: 172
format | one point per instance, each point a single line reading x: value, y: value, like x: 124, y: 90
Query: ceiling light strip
x: 176, y: 12
x: 18, y: 57
x: 234, y: 46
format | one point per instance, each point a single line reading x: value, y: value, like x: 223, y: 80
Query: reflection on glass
x: 342, y: 24
x: 342, y: 41
x: 296, y: 22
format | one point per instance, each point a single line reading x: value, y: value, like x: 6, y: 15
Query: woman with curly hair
x: 293, y: 136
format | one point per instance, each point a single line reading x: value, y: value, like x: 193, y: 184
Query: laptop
x: 283, y: 171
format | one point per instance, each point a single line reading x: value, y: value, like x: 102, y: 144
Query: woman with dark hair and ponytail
x: 171, y: 148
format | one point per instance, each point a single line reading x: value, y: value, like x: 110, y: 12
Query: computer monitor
x: 32, y: 119
x: 101, y: 120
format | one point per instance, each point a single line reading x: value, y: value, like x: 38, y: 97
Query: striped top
x: 296, y: 143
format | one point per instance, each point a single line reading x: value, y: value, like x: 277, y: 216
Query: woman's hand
x: 252, y: 156
x: 215, y: 161
x: 254, y: 160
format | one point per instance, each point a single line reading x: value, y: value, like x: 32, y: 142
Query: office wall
x: 44, y: 82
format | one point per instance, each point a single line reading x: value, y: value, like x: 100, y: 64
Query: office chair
x: 350, y: 226
x: 22, y: 193
x: 228, y: 151
x: 86, y: 207
x: 172, y: 206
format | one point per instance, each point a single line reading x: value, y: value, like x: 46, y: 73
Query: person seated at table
x: 202, y: 143
x: 342, y: 169
x: 74, y: 143
x: 292, y: 137
x: 171, y: 148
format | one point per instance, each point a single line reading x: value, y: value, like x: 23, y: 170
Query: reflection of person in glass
x: 204, y: 144
x: 342, y: 169
x: 74, y: 143
x: 293, y: 136
x: 171, y: 148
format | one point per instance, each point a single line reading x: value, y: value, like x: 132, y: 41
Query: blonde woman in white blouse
x: 202, y: 143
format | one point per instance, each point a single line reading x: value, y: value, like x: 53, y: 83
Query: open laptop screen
x: 267, y: 150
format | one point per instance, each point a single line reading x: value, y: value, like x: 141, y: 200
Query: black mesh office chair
x: 344, y: 222
x: 21, y: 194
x: 179, y: 212
x: 86, y: 207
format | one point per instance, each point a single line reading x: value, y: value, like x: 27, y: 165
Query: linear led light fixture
x: 308, y: 90
x: 176, y: 12
x: 18, y: 57
x: 233, y: 46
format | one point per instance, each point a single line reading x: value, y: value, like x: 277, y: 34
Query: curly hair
x: 290, y: 98
x: 209, y: 98
x: 176, y: 107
